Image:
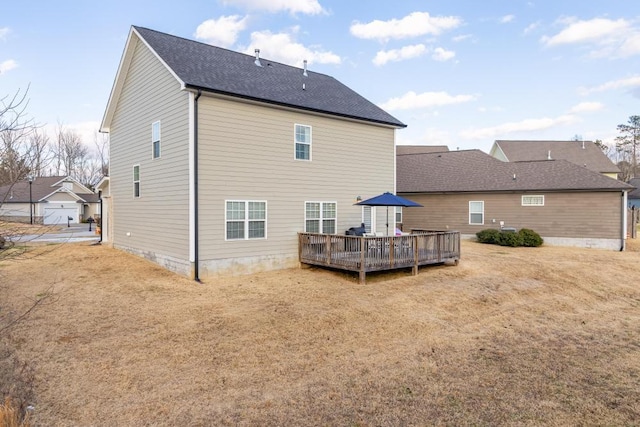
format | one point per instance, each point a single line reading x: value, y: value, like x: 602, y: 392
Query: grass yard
x: 511, y: 336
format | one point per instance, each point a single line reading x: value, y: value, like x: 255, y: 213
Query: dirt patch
x: 511, y: 336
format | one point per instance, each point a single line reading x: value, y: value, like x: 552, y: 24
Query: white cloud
x: 307, y: 7
x: 507, y: 18
x: 609, y: 38
x: 395, y: 55
x: 587, y: 107
x: 4, y: 32
x: 440, y: 54
x: 629, y: 82
x: 7, y: 65
x: 462, y: 37
x: 283, y: 48
x: 586, y: 31
x: 531, y: 27
x: 412, y: 100
x: 413, y: 25
x: 527, y: 125
x: 222, y: 31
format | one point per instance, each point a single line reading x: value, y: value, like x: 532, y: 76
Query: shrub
x: 488, y: 236
x: 530, y: 238
x: 509, y: 238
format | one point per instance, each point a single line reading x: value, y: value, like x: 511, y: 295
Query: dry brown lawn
x: 511, y: 336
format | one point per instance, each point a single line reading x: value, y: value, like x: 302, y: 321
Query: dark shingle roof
x: 40, y: 187
x: 635, y: 182
x: 420, y: 149
x: 476, y: 171
x: 219, y: 70
x: 590, y: 156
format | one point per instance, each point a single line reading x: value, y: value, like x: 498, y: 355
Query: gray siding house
x: 218, y: 159
x: 50, y: 200
x: 469, y: 191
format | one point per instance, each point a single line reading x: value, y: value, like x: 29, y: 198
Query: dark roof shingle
x: 581, y: 153
x: 223, y: 71
x: 476, y: 171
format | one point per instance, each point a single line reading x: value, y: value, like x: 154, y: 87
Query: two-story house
x: 219, y: 159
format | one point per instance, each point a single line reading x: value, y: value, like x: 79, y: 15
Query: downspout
x: 101, y: 217
x: 623, y: 237
x: 195, y: 188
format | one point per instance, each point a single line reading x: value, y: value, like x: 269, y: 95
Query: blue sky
x: 460, y: 73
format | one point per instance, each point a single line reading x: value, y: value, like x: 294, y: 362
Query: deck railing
x: 365, y: 254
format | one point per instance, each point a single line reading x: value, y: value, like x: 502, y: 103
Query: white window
x: 476, y: 213
x: 155, y: 139
x: 303, y: 142
x: 136, y: 181
x: 532, y: 200
x: 320, y: 217
x: 246, y: 220
x: 398, y: 214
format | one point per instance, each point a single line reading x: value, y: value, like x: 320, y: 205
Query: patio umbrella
x: 387, y: 199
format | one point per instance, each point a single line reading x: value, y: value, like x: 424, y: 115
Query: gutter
x: 196, y: 236
x: 623, y: 225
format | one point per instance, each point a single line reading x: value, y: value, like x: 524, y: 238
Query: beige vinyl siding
x: 571, y: 215
x: 158, y: 221
x: 247, y: 152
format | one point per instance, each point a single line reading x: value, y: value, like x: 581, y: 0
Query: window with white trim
x: 320, y: 217
x: 155, y: 139
x: 476, y: 213
x: 302, y: 142
x: 532, y: 200
x: 136, y: 180
x: 398, y: 214
x: 245, y: 219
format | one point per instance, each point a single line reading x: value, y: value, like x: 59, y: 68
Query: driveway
x: 74, y: 233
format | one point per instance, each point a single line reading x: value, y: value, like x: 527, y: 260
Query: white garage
x: 59, y: 215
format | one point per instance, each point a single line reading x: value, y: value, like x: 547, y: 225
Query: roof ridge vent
x: 304, y: 73
x: 257, y: 61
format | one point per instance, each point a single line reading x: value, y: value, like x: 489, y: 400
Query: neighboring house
x: 106, y: 224
x: 581, y: 153
x: 218, y: 159
x: 53, y: 199
x: 420, y: 149
x: 634, y: 195
x: 470, y: 191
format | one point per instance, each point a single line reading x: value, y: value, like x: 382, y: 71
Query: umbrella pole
x: 387, y: 221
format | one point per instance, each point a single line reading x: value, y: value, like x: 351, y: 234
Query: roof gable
x: 213, y: 69
x: 581, y: 153
x: 476, y: 171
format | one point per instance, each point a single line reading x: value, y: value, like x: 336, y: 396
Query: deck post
x: 363, y: 271
x: 328, y: 243
x: 414, y: 270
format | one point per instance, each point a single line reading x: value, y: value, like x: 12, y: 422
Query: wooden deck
x: 366, y: 254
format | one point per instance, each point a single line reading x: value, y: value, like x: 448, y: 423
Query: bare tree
x: 70, y: 153
x: 627, y: 143
x: 101, y: 141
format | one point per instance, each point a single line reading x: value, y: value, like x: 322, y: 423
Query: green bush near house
x: 509, y: 238
x: 530, y: 238
x: 524, y: 237
x: 489, y: 235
